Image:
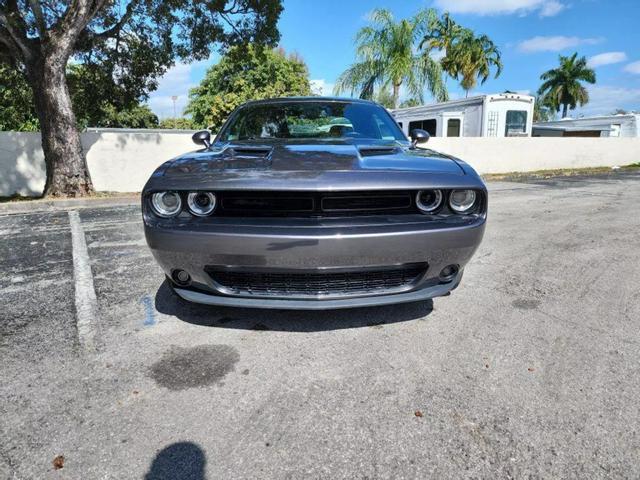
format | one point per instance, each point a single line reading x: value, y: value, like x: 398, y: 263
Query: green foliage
x: 96, y: 100
x: 245, y: 73
x: 387, y: 56
x: 471, y: 58
x: 133, y: 45
x: 544, y: 109
x: 177, y: 123
x: 100, y: 102
x: 468, y: 57
x: 385, y: 98
x: 561, y: 86
x: 17, y: 111
x: 136, y: 116
x: 410, y: 102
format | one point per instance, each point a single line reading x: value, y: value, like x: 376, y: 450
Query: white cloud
x: 633, y: 68
x: 604, y: 99
x: 555, y: 43
x: 545, y: 8
x: 177, y: 81
x: 551, y: 8
x: 607, y: 58
x: 321, y: 87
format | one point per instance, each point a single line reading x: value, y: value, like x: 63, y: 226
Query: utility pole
x: 175, y: 115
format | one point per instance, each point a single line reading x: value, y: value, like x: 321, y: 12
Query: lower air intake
x: 318, y: 284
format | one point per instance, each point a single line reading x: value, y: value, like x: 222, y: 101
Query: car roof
x: 308, y: 99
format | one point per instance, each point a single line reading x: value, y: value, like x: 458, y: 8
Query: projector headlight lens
x: 429, y: 200
x: 201, y: 203
x: 462, y: 201
x: 166, y: 204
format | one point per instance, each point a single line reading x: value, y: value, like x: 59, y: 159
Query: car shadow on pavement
x: 178, y: 461
x: 168, y: 303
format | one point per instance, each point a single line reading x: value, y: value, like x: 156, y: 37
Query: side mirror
x: 419, y: 136
x: 203, y: 137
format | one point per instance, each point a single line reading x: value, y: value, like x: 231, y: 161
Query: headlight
x: 429, y: 200
x: 201, y: 203
x: 462, y: 201
x: 166, y: 204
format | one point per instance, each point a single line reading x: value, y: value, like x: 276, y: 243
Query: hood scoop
x: 376, y: 151
x: 249, y: 152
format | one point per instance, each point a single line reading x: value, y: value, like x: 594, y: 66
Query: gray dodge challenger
x: 313, y: 203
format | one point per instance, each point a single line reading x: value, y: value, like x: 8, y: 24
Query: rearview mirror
x: 203, y: 137
x: 419, y: 136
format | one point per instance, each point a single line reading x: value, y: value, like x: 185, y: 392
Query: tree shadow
x: 169, y: 303
x: 178, y: 461
x: 22, y: 167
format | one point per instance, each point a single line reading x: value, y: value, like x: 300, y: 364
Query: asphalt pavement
x: 530, y: 369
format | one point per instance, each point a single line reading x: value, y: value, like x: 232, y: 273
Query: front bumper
x: 314, y: 245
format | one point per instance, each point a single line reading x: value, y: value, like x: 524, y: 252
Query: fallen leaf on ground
x: 58, y: 462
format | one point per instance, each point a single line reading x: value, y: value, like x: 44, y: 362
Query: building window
x: 428, y: 125
x: 516, y: 124
x: 453, y: 127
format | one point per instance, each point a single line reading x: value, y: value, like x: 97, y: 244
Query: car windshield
x: 311, y: 119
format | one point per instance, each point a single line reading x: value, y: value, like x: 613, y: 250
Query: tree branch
x: 36, y: 8
x: 121, y: 23
x: 16, y: 37
x: 74, y: 21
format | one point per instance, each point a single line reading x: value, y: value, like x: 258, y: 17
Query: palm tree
x: 387, y: 57
x: 442, y: 35
x: 472, y: 58
x: 562, y: 87
x: 443, y: 32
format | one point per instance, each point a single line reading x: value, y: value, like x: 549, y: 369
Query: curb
x: 39, y: 206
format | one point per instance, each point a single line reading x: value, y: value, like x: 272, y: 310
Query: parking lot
x: 531, y: 369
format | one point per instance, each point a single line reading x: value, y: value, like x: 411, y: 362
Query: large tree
x: 561, y: 86
x: 246, y: 72
x: 388, y: 57
x: 135, y: 42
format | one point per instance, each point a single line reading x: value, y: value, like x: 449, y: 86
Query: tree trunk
x: 396, y: 95
x: 565, y: 110
x: 67, y: 173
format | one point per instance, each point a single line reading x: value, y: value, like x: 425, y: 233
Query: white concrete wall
x: 526, y: 154
x: 119, y: 162
x: 123, y: 161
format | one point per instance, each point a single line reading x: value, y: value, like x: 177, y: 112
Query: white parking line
x: 86, y: 302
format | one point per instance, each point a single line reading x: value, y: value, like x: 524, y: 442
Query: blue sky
x: 529, y: 33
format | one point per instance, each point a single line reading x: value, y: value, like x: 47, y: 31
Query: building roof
x: 461, y: 102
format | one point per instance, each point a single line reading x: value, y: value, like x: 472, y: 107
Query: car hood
x: 311, y: 156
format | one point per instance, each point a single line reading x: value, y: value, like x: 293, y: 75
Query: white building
x: 499, y: 115
x: 624, y: 125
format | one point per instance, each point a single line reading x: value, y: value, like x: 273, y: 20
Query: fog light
x: 448, y: 273
x: 181, y: 277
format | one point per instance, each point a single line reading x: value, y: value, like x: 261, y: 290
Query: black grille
x: 318, y: 284
x: 314, y: 204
